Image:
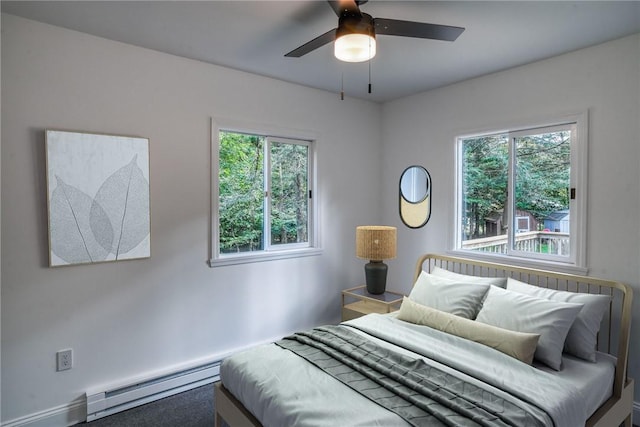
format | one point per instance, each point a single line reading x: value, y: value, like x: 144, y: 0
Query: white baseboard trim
x: 636, y: 413
x: 63, y: 416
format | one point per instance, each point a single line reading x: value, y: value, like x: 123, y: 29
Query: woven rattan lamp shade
x: 376, y: 242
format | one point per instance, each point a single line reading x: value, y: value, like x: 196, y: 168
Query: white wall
x: 0, y: 227
x: 123, y: 319
x: 604, y: 79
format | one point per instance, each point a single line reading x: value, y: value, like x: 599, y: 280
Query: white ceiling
x: 254, y: 36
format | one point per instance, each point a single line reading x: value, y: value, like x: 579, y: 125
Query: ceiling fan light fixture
x: 355, y: 47
x: 355, y: 38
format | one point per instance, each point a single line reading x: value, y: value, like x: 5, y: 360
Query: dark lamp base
x: 375, y: 273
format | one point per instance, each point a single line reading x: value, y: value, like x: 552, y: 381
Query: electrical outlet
x: 64, y: 360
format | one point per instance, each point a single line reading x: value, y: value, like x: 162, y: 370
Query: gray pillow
x: 495, y: 281
x: 523, y: 313
x: 583, y: 336
x: 451, y: 296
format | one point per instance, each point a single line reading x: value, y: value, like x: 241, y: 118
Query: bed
x: 433, y: 363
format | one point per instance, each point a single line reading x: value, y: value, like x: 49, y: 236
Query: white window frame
x: 576, y: 261
x: 270, y: 252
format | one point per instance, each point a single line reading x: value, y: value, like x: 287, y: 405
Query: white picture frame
x: 97, y: 197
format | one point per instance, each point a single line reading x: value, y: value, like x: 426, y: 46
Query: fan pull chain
x: 369, y: 65
x: 342, y: 87
x: 369, y: 76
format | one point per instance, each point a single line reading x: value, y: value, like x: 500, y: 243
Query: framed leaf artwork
x: 98, y: 197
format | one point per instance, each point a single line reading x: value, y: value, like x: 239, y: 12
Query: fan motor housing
x: 350, y: 23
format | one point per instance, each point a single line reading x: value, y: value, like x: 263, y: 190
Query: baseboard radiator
x: 117, y: 399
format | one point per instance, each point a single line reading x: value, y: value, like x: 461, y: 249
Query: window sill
x: 252, y: 257
x: 522, y: 262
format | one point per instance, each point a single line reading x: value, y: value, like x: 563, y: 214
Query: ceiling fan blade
x: 341, y: 6
x: 394, y: 27
x: 319, y: 41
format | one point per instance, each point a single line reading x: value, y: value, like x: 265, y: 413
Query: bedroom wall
x: 129, y: 318
x: 605, y: 80
x: 0, y: 223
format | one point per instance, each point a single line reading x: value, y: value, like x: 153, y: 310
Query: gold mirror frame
x: 415, y: 196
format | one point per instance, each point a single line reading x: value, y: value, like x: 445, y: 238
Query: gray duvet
x: 283, y: 389
x: 421, y: 394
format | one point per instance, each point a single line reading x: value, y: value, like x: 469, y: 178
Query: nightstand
x: 357, y: 302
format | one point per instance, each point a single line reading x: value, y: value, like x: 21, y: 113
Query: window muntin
x: 515, y: 193
x: 262, y: 206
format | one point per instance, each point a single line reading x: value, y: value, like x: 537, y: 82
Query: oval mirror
x: 414, y: 184
x: 415, y: 196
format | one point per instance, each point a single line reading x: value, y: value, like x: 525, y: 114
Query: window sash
x: 268, y: 200
x: 512, y: 180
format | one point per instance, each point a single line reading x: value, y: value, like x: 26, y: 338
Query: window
x: 522, y: 193
x: 263, y: 197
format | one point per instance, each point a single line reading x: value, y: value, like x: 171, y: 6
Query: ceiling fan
x: 355, y: 36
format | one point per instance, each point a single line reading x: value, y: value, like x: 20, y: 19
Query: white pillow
x: 524, y: 313
x: 496, y: 281
x: 451, y: 296
x: 583, y: 335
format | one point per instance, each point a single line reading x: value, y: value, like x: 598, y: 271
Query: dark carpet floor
x: 193, y: 408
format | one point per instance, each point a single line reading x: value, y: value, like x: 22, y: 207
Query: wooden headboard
x: 615, y: 331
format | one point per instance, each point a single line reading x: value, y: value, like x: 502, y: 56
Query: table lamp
x: 375, y: 243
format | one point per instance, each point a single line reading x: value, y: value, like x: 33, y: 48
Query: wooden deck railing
x: 530, y: 241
